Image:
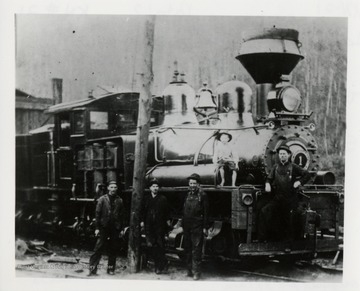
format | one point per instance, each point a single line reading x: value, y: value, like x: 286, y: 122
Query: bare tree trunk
x: 331, y: 76
x: 308, y: 87
x: 337, y: 112
x: 141, y: 147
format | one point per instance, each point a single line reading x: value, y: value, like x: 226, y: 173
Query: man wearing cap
x: 155, y: 218
x: 225, y: 157
x: 194, y: 222
x: 275, y: 218
x: 109, y: 215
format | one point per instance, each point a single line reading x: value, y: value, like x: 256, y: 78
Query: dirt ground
x: 37, y: 265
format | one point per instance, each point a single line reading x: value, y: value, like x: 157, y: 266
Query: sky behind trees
x: 91, y: 50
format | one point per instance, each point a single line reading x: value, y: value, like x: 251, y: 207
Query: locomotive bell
x: 205, y: 98
x: 205, y: 106
x: 179, y: 100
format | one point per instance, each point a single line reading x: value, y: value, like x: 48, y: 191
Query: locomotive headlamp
x: 247, y: 199
x: 290, y: 98
x: 284, y: 98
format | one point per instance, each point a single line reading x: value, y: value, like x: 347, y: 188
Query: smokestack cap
x: 269, y: 54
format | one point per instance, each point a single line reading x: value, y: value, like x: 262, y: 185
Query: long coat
x: 155, y: 214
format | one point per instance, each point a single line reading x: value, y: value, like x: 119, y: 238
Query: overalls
x: 193, y: 224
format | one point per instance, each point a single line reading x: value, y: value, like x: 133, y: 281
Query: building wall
x: 29, y: 113
x: 27, y: 119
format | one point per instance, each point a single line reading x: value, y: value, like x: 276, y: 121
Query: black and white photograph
x: 182, y: 147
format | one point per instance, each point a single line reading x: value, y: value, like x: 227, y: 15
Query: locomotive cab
x: 107, y: 115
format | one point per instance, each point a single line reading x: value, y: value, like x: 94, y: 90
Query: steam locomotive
x: 61, y: 167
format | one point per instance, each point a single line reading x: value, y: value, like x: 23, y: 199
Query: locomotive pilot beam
x: 92, y: 142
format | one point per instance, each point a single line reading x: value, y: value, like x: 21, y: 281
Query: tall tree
x: 141, y: 146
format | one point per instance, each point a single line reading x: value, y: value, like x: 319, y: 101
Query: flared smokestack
x: 267, y: 56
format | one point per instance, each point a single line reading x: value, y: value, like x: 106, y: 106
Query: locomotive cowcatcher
x: 62, y: 167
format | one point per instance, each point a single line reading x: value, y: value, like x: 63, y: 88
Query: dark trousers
x: 193, y: 243
x: 156, y: 249
x: 276, y: 220
x: 107, y: 235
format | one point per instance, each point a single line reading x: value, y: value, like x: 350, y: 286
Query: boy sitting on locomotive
x: 225, y: 156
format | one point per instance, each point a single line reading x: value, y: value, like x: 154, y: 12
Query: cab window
x: 125, y: 120
x: 79, y: 122
x: 99, y: 120
x: 64, y: 129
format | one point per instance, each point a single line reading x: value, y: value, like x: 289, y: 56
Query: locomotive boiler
x: 92, y: 142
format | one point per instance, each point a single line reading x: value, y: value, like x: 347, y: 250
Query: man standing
x: 109, y: 219
x: 155, y: 218
x: 275, y: 218
x: 194, y: 223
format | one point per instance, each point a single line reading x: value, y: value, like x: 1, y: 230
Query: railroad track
x: 300, y: 271
x: 273, y: 277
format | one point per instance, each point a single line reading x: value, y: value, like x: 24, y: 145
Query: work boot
x: 196, y: 276
x: 91, y: 273
x: 166, y: 267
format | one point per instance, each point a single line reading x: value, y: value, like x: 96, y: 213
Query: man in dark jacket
x: 194, y: 222
x: 155, y: 218
x: 275, y: 218
x: 109, y: 219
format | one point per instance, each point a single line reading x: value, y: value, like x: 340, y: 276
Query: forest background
x: 92, y: 51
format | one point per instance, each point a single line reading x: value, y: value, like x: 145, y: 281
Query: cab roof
x: 67, y: 106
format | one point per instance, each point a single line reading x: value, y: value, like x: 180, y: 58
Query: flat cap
x: 285, y: 148
x: 154, y: 181
x: 194, y: 177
